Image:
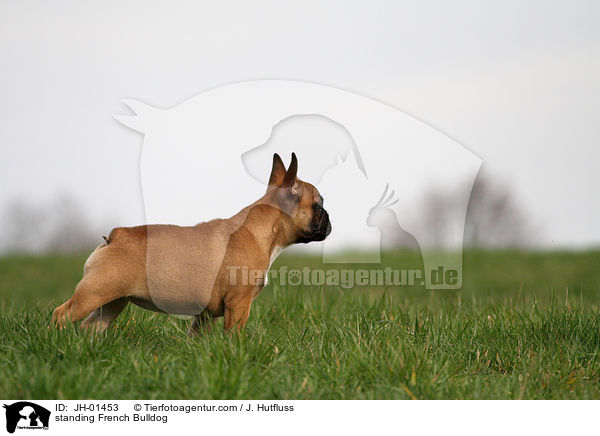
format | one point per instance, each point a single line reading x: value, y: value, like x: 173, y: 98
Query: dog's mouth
x: 324, y: 226
x: 320, y: 230
x: 323, y: 233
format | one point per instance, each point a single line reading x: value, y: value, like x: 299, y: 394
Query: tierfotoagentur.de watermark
x: 344, y: 278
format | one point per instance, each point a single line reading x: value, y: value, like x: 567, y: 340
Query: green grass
x: 525, y: 325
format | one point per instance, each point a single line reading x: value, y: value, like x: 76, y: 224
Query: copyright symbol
x: 137, y: 407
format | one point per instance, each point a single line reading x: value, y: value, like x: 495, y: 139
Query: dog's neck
x: 270, y: 226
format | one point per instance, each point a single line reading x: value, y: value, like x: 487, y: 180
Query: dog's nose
x: 326, y: 223
x: 328, y: 231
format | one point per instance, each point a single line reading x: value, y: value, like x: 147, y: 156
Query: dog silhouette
x: 229, y: 127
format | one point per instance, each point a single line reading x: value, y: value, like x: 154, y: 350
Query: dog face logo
x: 26, y: 415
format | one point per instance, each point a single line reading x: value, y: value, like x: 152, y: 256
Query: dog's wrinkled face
x: 310, y: 218
x: 300, y: 201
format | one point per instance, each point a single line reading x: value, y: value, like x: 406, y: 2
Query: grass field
x: 525, y: 325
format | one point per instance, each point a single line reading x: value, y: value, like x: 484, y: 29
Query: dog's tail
x: 113, y: 233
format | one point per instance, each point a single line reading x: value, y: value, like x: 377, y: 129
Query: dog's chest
x: 276, y: 252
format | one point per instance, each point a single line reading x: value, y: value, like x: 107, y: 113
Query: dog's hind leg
x: 101, y: 318
x: 92, y: 292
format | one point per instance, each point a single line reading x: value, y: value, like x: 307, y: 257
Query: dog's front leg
x: 237, y: 311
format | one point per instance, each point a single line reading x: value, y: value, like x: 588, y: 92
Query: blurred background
x: 514, y: 82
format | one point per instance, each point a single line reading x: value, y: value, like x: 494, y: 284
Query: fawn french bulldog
x: 188, y: 270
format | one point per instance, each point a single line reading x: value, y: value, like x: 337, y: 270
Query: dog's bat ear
x: 292, y: 173
x: 287, y: 194
x: 277, y: 173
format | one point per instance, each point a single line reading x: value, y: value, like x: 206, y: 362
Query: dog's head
x: 300, y: 202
